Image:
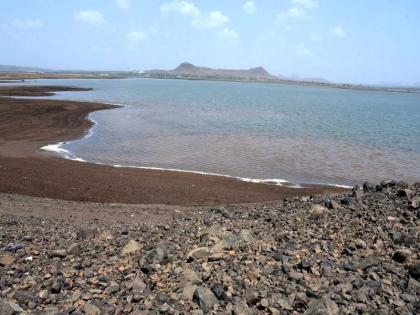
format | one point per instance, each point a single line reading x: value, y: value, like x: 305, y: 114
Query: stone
x: 367, y: 187
x: 404, y: 193
x: 13, y: 247
x: 74, y: 249
x: 61, y: 253
x: 401, y: 255
x: 368, y: 262
x: 200, y: 253
x: 188, y: 292
x: 43, y: 294
x: 205, y: 298
x: 332, y: 204
x: 9, y: 308
x: 317, y: 211
x: 414, y: 271
x: 218, y: 291
x: 241, y: 308
x: 91, y: 309
x: 131, y: 247
x: 189, y: 276
x: 246, y: 236
x: 324, y: 306
x: 138, y: 285
x: 295, y: 276
x: 7, y: 260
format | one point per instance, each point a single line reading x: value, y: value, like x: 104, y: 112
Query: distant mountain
x: 189, y: 71
x: 7, y: 68
x: 296, y: 78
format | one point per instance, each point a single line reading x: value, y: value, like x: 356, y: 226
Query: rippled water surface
x: 300, y: 134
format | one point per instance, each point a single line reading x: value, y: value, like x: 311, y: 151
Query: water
x: 262, y: 131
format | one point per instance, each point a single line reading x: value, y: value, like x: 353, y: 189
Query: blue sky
x: 359, y: 41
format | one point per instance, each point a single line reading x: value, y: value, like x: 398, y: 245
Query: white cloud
x: 307, y: 4
x: 302, y: 51
x: 92, y: 17
x: 200, y: 19
x: 338, y: 31
x: 249, y: 7
x: 212, y: 19
x: 30, y: 23
x: 298, y: 10
x: 124, y: 4
x: 228, y: 33
x: 293, y: 12
x: 181, y: 7
x: 137, y: 36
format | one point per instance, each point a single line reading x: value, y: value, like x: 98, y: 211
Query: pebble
x: 354, y: 252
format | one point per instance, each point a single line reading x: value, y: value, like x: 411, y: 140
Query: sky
x: 354, y: 41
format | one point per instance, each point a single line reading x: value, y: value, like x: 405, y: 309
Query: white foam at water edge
x: 274, y: 181
x: 57, y: 148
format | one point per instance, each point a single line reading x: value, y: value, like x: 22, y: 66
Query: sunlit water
x: 263, y: 131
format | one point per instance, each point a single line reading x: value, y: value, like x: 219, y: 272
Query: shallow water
x: 265, y: 131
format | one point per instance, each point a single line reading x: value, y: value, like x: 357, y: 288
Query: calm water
x: 265, y: 131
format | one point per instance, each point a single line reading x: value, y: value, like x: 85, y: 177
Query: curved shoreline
x: 29, y: 124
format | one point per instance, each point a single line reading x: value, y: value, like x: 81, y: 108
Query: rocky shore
x: 355, y: 252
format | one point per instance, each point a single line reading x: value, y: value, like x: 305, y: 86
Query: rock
x: 188, y: 292
x: 295, y: 276
x: 401, y: 255
x: 368, y: 262
x: 61, y: 253
x: 241, y: 308
x: 222, y: 211
x: 317, y: 211
x: 9, y: 308
x: 333, y: 205
x: 324, y: 306
x: 138, y: 285
x: 264, y: 303
x: 368, y: 187
x: 200, y: 253
x: 415, y: 203
x: 404, y: 193
x: 246, y: 236
x: 43, y: 294
x: 91, y: 309
x: 189, y: 276
x: 74, y: 249
x: 414, y: 271
x: 13, y: 247
x: 413, y: 286
x: 228, y: 242
x: 131, y: 247
x: 205, y: 299
x: 218, y: 291
x: 83, y: 234
x: 7, y: 260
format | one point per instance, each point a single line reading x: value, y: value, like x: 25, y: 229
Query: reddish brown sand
x: 28, y: 124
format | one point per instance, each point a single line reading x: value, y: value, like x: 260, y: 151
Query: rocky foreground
x: 356, y: 252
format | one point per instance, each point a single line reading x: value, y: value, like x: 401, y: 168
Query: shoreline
x: 26, y: 125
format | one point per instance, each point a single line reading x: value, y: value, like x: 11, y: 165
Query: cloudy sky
x: 359, y: 41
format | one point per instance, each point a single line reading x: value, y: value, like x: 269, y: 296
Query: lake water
x: 260, y: 131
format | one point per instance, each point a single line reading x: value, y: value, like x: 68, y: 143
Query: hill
x: 187, y: 70
x: 7, y: 68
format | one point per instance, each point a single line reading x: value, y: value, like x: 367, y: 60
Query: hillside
x: 7, y: 68
x: 189, y: 71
